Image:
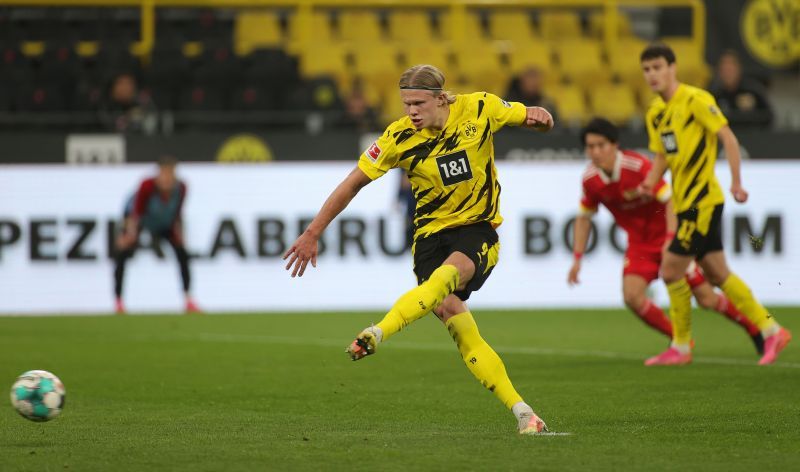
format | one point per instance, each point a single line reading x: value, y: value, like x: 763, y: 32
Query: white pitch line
x: 525, y: 350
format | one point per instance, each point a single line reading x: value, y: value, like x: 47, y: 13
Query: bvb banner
x: 57, y: 224
x: 765, y: 32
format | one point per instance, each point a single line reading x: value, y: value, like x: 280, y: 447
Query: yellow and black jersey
x: 685, y: 130
x: 452, y: 171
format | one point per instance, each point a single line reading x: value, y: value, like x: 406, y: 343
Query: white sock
x: 682, y: 348
x: 377, y: 332
x: 771, y: 330
x: 521, y: 408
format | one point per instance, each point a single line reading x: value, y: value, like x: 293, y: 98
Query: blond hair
x: 426, y: 77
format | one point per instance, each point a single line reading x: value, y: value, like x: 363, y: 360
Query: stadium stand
x: 236, y: 61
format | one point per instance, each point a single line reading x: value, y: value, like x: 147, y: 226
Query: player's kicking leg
x: 711, y: 300
x: 776, y: 337
x: 455, y: 271
x: 410, y: 307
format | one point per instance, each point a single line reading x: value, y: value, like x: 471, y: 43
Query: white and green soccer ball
x: 38, y: 395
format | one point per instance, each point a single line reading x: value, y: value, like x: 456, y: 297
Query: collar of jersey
x: 678, y: 93
x: 615, y: 174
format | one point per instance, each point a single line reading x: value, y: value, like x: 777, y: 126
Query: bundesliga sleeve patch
x: 374, y: 152
x: 505, y: 103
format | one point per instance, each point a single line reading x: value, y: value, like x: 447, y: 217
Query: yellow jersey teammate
x: 445, y: 145
x: 685, y: 126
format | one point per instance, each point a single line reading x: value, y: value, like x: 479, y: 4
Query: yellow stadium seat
x: 511, y: 25
x: 616, y: 102
x: 256, y: 29
x: 692, y: 67
x: 597, y: 25
x: 580, y: 61
x: 360, y: 26
x: 570, y: 105
x: 558, y: 25
x: 473, y: 30
x: 624, y: 61
x: 325, y: 59
x: 392, y: 107
x: 320, y: 31
x: 526, y: 54
x: 411, y: 27
x: 480, y: 62
x: 644, y: 96
x: 377, y: 64
x: 435, y: 53
x: 462, y: 84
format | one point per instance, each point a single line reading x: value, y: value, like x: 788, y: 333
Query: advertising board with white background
x: 57, y: 225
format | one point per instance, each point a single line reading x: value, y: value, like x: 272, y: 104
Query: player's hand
x: 303, y: 251
x: 539, y: 119
x: 739, y: 193
x: 572, y: 278
x: 645, y: 189
x: 126, y: 240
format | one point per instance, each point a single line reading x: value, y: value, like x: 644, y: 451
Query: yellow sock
x: 420, y: 300
x: 481, y: 359
x: 739, y: 293
x: 680, y: 311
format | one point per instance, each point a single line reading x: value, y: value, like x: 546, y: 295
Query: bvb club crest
x: 470, y: 130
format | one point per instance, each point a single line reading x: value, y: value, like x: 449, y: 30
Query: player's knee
x: 707, y: 300
x: 465, y: 266
x: 634, y: 300
x: 450, y: 307
x: 716, y: 278
x: 670, y: 274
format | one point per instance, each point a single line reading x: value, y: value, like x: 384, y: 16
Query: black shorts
x: 479, y: 242
x: 699, y: 232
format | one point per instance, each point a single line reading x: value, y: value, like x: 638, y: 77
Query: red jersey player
x: 612, y: 179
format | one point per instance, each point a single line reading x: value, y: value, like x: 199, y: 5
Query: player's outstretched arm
x: 734, y: 158
x: 539, y: 119
x: 648, y: 185
x: 304, y: 249
x: 581, y: 237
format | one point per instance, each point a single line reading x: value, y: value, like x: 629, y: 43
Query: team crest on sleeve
x: 374, y: 152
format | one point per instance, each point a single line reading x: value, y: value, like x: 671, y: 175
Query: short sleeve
x: 654, y: 140
x: 705, y: 110
x: 503, y: 113
x: 589, y: 202
x: 380, y: 157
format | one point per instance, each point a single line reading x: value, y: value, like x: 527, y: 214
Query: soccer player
x: 684, y: 126
x: 445, y: 145
x: 156, y: 207
x: 612, y: 179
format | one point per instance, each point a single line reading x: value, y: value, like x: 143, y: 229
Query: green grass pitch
x: 276, y: 392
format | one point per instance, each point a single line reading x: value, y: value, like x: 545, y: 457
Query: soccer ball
x: 38, y: 395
